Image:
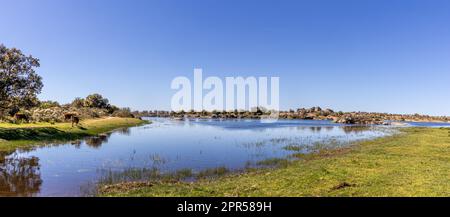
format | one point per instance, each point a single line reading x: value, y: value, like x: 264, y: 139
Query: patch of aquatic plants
x: 155, y: 174
x: 304, y: 143
x: 158, y: 160
x: 213, y: 172
x: 279, y: 140
x: 301, y: 144
x: 294, y: 147
x: 276, y: 141
x: 131, y: 174
x: 273, y: 162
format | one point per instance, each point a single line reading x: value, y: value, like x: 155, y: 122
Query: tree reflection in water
x: 124, y: 131
x: 19, y: 176
x: 97, y: 141
x: 356, y: 129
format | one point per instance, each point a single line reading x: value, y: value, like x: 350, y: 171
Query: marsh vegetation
x: 412, y: 163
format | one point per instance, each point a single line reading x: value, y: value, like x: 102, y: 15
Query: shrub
x: 48, y: 104
x: 54, y: 114
x: 77, y: 102
x: 123, y: 113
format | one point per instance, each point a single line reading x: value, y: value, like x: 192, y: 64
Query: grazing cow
x: 68, y: 116
x: 21, y: 117
x: 72, y: 117
x: 75, y: 120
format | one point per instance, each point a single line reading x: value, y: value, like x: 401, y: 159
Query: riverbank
x: 13, y: 136
x: 412, y: 163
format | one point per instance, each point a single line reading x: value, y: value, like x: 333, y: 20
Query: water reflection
x: 97, y: 141
x: 19, y: 176
x: 124, y: 131
x: 356, y: 129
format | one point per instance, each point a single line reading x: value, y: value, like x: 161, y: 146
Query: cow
x: 68, y: 116
x: 73, y: 117
x: 75, y: 120
x: 21, y: 117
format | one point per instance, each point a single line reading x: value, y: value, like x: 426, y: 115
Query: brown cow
x: 68, y: 116
x: 75, y: 120
x: 21, y: 117
x: 73, y: 117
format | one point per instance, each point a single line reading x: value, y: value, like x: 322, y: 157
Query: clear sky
x: 361, y: 55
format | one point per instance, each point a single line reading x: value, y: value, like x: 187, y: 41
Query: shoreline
x: 15, y: 136
x: 393, y: 123
x: 390, y: 166
x: 346, y: 118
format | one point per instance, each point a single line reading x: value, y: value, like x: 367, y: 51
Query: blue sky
x: 372, y: 55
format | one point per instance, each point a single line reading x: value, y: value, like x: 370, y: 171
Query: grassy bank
x: 14, y: 136
x: 413, y: 163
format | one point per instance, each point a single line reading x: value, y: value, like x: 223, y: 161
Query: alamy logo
x: 229, y: 97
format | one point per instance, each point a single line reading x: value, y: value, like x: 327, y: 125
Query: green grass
x: 415, y: 162
x: 13, y: 136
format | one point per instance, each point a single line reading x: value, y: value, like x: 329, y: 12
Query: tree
x: 123, y: 113
x: 96, y: 101
x: 19, y: 83
x: 77, y: 102
x: 48, y: 104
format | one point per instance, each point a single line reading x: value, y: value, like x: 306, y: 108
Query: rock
x: 345, y: 120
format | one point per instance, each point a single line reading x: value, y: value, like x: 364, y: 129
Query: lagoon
x: 168, y: 146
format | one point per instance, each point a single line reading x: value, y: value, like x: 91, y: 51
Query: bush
x: 112, y: 108
x: 77, y: 103
x: 48, y: 104
x: 94, y: 106
x: 54, y: 114
x: 123, y: 113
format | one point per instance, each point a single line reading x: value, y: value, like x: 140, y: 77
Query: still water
x: 72, y: 169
